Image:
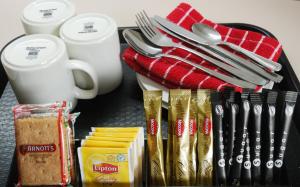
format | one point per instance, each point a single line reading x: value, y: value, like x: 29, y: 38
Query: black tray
x: 124, y: 107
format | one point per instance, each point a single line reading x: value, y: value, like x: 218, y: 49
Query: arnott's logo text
x: 105, y: 168
x: 37, y: 148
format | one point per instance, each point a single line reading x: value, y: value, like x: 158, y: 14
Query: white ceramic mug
x: 40, y: 71
x: 46, y: 16
x: 94, y: 39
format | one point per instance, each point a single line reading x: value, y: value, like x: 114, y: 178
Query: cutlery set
x: 245, y: 73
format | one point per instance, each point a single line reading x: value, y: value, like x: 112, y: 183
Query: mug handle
x: 83, y: 66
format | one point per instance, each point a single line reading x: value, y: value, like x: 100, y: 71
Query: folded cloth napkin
x: 176, y: 74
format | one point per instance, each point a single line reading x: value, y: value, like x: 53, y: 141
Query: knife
x: 235, y: 60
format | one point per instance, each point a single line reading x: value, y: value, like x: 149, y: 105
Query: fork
x: 159, y: 39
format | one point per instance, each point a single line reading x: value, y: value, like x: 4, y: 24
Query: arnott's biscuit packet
x: 42, y: 144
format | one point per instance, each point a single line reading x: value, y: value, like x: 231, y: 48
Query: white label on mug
x: 47, y: 13
x: 88, y: 28
x: 44, y: 12
x: 33, y: 52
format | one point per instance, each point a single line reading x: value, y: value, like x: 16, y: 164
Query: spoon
x: 213, y: 37
x: 140, y: 45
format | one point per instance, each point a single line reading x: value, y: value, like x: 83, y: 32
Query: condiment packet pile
x: 219, y: 138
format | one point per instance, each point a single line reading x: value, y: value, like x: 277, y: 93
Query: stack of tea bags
x: 112, y: 156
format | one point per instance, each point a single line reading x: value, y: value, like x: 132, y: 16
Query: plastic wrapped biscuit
x: 42, y: 144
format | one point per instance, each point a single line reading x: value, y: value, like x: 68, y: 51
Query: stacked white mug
x: 38, y: 65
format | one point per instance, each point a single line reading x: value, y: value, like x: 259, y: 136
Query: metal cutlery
x: 240, y: 63
x: 262, y: 80
x: 214, y: 38
x: 159, y: 39
x: 137, y: 42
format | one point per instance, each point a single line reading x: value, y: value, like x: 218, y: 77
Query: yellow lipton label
x: 105, y: 167
x: 95, y: 143
x: 98, y: 138
x: 114, y: 134
x: 116, y: 129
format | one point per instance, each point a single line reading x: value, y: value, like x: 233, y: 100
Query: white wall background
x: 281, y: 17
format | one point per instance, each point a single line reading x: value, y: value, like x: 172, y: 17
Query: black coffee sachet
x: 240, y: 139
x: 246, y: 168
x: 286, y: 106
x: 232, y: 114
x: 268, y: 132
x: 219, y: 155
x: 255, y: 136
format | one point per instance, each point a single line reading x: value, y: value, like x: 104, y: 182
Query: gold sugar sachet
x: 152, y: 106
x: 193, y: 139
x: 205, y: 139
x: 180, y: 115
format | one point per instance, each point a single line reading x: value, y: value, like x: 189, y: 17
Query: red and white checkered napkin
x: 176, y: 74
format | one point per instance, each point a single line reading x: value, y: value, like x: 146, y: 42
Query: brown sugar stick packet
x: 169, y: 156
x: 193, y: 139
x: 180, y: 113
x: 152, y: 106
x: 205, y: 139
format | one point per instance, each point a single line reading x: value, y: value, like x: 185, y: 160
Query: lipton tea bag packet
x: 105, y: 167
x: 205, y: 139
x: 140, y: 138
x: 152, y: 106
x: 41, y: 145
x: 132, y: 135
x: 113, y: 144
x: 128, y: 140
x: 138, y: 130
x: 193, y: 139
x: 180, y: 115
